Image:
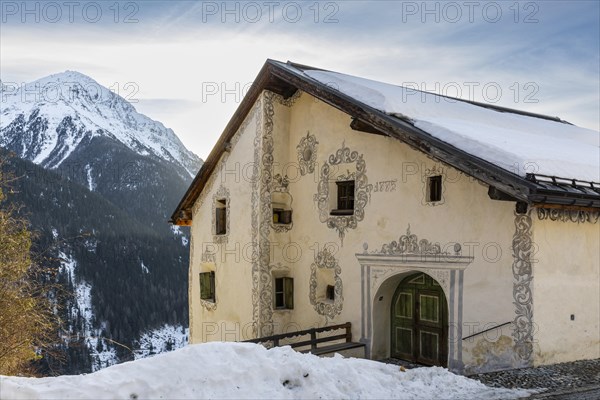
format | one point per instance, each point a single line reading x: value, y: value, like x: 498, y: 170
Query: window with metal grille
x: 284, y: 293
x: 207, y: 286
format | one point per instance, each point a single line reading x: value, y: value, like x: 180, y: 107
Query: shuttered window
x: 207, y: 286
x: 221, y: 217
x: 284, y: 293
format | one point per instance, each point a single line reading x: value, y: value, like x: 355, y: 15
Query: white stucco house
x: 447, y: 232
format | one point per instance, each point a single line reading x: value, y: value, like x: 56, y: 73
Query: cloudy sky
x: 187, y: 64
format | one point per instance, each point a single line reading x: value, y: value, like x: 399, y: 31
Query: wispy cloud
x: 177, y: 54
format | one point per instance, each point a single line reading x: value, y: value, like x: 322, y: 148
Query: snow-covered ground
x: 244, y: 370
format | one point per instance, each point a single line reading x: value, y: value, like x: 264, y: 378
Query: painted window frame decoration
x: 280, y: 190
x: 362, y: 190
x: 434, y: 188
x: 221, y: 217
x: 221, y: 195
x: 329, y: 309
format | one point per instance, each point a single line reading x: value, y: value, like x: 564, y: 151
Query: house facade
x: 318, y: 207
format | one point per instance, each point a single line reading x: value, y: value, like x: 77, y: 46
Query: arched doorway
x: 419, y: 321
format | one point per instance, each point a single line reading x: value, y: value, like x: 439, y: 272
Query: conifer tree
x: 26, y: 318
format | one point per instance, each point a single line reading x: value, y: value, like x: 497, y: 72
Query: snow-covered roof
x: 517, y: 143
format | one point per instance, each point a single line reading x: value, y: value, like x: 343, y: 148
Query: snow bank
x: 244, y: 370
x: 517, y: 143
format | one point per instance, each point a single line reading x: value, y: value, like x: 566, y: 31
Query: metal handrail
x: 487, y: 330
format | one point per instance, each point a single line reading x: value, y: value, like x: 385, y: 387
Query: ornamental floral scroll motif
x: 522, y: 246
x: 325, y: 260
x: 410, y: 244
x: 307, y: 154
x: 281, y: 192
x: 208, y: 257
x: 208, y: 305
x: 362, y: 190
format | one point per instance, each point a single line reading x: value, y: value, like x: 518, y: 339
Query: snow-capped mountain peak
x: 45, y: 120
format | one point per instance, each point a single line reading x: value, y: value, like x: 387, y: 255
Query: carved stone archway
x: 383, y: 269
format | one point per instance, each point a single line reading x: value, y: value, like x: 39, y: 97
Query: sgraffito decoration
x: 362, y: 191
x: 209, y: 305
x: 290, y: 101
x: 563, y: 215
x: 307, y: 154
x: 410, y: 244
x: 208, y: 257
x: 254, y: 217
x: 414, y: 254
x: 522, y: 247
x: 221, y: 194
x: 263, y: 184
x: 207, y: 189
x: 329, y: 309
x: 281, y: 187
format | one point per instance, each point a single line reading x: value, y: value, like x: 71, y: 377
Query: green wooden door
x: 419, y: 321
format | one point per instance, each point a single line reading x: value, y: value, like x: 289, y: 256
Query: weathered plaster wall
x: 395, y: 175
x: 566, y: 282
x: 296, y: 139
x: 231, y: 256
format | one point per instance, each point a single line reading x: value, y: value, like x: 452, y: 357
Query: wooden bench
x: 315, y: 340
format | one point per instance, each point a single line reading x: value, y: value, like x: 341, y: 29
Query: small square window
x: 284, y: 293
x: 221, y: 217
x: 330, y: 295
x: 434, y: 188
x: 345, y: 198
x: 207, y: 286
x: 281, y: 216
